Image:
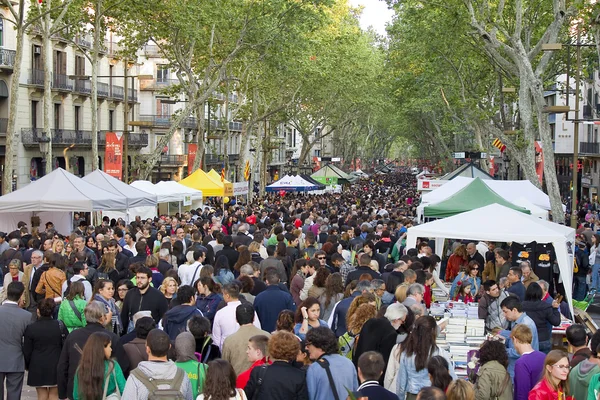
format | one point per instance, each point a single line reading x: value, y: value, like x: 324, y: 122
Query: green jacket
x: 594, y: 388
x: 581, y: 377
x: 112, y: 383
x: 196, y: 372
x: 68, y: 316
x: 493, y: 382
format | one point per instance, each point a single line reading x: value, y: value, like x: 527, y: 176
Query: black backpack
x: 66, y: 292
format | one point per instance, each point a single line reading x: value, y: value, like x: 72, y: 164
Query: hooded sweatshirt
x: 185, y: 345
x: 135, y: 389
x: 580, y: 377
x: 175, y: 320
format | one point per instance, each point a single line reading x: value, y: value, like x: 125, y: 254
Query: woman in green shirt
x: 185, y: 346
x: 71, y: 308
x: 101, y: 376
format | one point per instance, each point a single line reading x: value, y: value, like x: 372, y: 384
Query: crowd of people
x: 289, y: 297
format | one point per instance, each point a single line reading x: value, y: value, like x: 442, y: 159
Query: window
x: 317, y: 153
x: 162, y: 73
x: 77, y: 117
x: 79, y: 65
x: 36, y: 59
x: 56, y: 116
x: 34, y: 113
x: 111, y: 120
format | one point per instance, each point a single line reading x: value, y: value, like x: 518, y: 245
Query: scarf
x: 116, y: 325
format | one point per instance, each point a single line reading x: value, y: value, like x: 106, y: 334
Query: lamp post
x: 44, y: 143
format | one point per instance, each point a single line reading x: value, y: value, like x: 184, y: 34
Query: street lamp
x: 44, y: 143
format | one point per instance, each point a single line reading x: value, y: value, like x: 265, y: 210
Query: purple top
x: 528, y: 371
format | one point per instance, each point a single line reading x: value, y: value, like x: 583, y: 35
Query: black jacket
x: 153, y: 300
x: 164, y: 266
x: 42, y: 345
x: 394, y: 279
x: 122, y: 265
x: 377, y: 334
x: 241, y: 239
x: 544, y: 315
x: 354, y: 275
x: 231, y: 254
x: 175, y: 320
x: 280, y: 381
x: 70, y: 356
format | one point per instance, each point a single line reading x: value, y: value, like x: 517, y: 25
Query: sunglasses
x: 320, y: 258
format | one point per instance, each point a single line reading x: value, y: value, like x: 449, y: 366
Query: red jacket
x: 453, y: 267
x: 244, y: 377
x: 427, y: 296
x: 544, y: 391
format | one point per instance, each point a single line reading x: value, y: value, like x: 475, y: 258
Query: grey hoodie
x: 135, y: 390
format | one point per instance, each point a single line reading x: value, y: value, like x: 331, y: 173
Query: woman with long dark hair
x: 104, y: 292
x: 437, y: 367
x: 209, y: 296
x: 493, y: 381
x: 220, y: 383
x: 97, y: 376
x: 281, y: 255
x: 178, y: 252
x: 418, y: 349
x: 222, y: 273
x: 307, y: 317
x: 334, y: 292
x: 244, y: 258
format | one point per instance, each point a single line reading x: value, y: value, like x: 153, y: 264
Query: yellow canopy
x: 216, y: 176
x: 226, y: 185
x: 200, y: 180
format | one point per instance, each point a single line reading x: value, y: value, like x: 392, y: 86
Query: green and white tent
x: 329, y: 174
x: 475, y: 195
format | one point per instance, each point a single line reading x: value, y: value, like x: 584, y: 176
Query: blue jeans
x: 545, y: 346
x: 580, y: 287
x: 595, y: 279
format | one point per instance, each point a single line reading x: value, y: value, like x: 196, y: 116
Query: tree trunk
x: 9, y: 158
x: 47, y: 53
x: 94, y: 83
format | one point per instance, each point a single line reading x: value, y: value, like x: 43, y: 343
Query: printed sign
x: 430, y: 184
x: 192, y: 149
x: 240, y: 188
x: 113, y: 155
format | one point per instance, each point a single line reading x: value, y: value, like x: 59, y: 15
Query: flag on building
x: 247, y: 170
x: 498, y: 144
x: 223, y: 172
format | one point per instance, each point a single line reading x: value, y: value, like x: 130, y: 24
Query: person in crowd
x: 104, y: 293
x: 463, y: 292
x: 307, y: 317
x: 97, y: 317
x: 185, y: 345
x: 348, y: 341
x: 513, y: 312
x: 419, y: 347
x: 439, y: 374
x: 414, y: 295
x: 108, y: 268
x: 143, y: 297
x: 222, y: 272
x: 257, y: 355
x: 272, y: 261
x: 363, y: 268
x: 554, y: 383
x: 200, y: 328
x: 14, y: 323
x: 139, y: 384
x: 51, y: 281
x: 581, y: 376
x: 312, y: 266
x: 502, y: 263
x: 516, y: 286
x: 460, y: 390
x: 431, y: 393
x: 578, y: 340
x: 370, y: 369
x: 71, y: 310
x: 330, y: 372
x: 14, y: 275
x: 493, y: 381
x: 528, y: 275
x: 80, y: 274
x: 489, y: 308
x: 247, y: 284
x: 298, y: 274
x: 272, y: 301
x: 42, y: 344
x: 544, y: 315
x: 529, y: 367
x: 220, y: 383
x: 136, y: 349
x: 175, y: 320
x: 235, y: 345
x: 339, y: 315
x: 169, y: 288
x: 334, y: 292
x: 456, y: 262
x: 123, y: 287
x: 281, y: 380
x: 225, y: 322
x: 29, y: 272
x: 189, y: 273
x: 469, y: 274
x: 97, y: 375
x: 318, y: 286
x: 208, y: 297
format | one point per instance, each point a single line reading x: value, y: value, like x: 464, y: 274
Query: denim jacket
x: 411, y: 381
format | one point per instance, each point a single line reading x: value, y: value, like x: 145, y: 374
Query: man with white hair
x: 414, y: 295
x: 242, y: 237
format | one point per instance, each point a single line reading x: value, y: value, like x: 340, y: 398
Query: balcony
x: 7, y: 59
x: 152, y: 51
x: 36, y: 77
x: 173, y: 160
x: 220, y: 125
x: 218, y: 158
x: 59, y: 81
x: 111, y: 48
x: 116, y: 92
x: 83, y: 42
x: 103, y: 89
x: 83, y: 86
x: 132, y: 95
x: 157, y: 84
x: 30, y: 138
x: 589, y: 148
x: 163, y: 121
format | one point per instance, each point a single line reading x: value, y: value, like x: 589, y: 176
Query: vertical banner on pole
x: 539, y: 161
x: 113, y: 155
x: 192, y: 149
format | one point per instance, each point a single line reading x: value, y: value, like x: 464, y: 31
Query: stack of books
x: 475, y: 330
x: 459, y: 354
x: 455, y: 330
x: 437, y: 310
x: 457, y: 309
x: 473, y: 310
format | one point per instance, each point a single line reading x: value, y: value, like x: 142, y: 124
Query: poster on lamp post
x: 192, y: 149
x: 113, y: 156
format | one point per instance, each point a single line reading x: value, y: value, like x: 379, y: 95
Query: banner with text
x: 192, y: 149
x: 240, y: 188
x: 430, y: 184
x: 113, y: 155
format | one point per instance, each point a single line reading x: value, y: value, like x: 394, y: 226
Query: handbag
x: 115, y: 395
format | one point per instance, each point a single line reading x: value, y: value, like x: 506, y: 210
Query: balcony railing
x: 176, y: 160
x: 133, y: 94
x: 83, y: 86
x: 30, y: 137
x: 233, y: 125
x: 103, y: 89
x: 83, y: 42
x: 111, y: 48
x: 218, y: 158
x: 36, y: 77
x: 117, y: 92
x: 7, y: 58
x: 152, y: 50
x: 589, y: 148
x: 59, y: 81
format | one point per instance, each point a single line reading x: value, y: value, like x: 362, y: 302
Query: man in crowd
x: 530, y: 364
x: 189, y: 273
x: 37, y: 260
x: 370, y: 369
x: 528, y: 275
x: 473, y: 255
x: 175, y: 320
x: 3, y: 243
x: 80, y: 273
x: 90, y: 257
x: 502, y: 264
x: 578, y: 339
x: 225, y: 322
x: 363, y: 268
x: 121, y: 260
x: 337, y: 321
x: 228, y: 251
x: 516, y: 286
x: 272, y: 301
x: 489, y: 306
x: 274, y: 262
x: 143, y: 297
x: 311, y: 270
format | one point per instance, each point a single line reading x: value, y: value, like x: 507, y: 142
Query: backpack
x: 154, y: 393
x: 66, y: 292
x: 347, y: 344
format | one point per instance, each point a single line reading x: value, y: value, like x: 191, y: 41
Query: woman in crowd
x: 247, y: 286
x: 348, y: 340
x: 169, y: 289
x: 14, y: 275
x: 97, y: 376
x: 318, y: 287
x: 157, y: 242
x: 71, y: 308
x: 456, y: 262
x: 297, y: 281
x: 42, y: 345
x: 103, y: 292
x: 460, y: 390
x: 254, y: 249
x: 90, y: 243
x: 418, y: 348
x: 123, y: 287
x: 334, y: 292
x: 438, y: 367
x: 243, y: 259
x: 178, y: 252
x: 281, y: 380
x: 545, y: 315
x: 107, y: 268
x: 51, y: 281
x: 307, y: 317
x: 493, y: 381
x: 469, y: 274
x: 58, y: 247
x: 68, y: 250
x: 285, y: 321
x: 222, y: 273
x: 554, y: 384
x: 185, y: 346
x: 209, y: 296
x: 281, y: 255
x: 220, y: 383
x: 357, y: 302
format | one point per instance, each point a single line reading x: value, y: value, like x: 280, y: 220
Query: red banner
x: 113, y: 155
x: 493, y: 166
x: 192, y: 149
x: 539, y: 161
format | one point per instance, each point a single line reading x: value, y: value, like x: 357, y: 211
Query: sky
x: 375, y: 14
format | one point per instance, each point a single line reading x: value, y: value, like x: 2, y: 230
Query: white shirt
x: 131, y: 249
x: 308, y: 282
x: 225, y: 323
x: 87, y: 286
x: 189, y: 273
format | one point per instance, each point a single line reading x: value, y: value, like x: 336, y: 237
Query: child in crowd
x: 463, y: 292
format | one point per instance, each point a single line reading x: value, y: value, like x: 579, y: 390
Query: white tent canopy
x: 536, y: 211
x: 179, y: 190
x: 162, y: 195
x: 61, y: 191
x: 498, y: 223
x: 135, y: 197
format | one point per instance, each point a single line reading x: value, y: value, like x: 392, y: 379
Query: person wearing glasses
x: 470, y: 274
x: 554, y: 384
x: 80, y: 273
x: 14, y: 275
